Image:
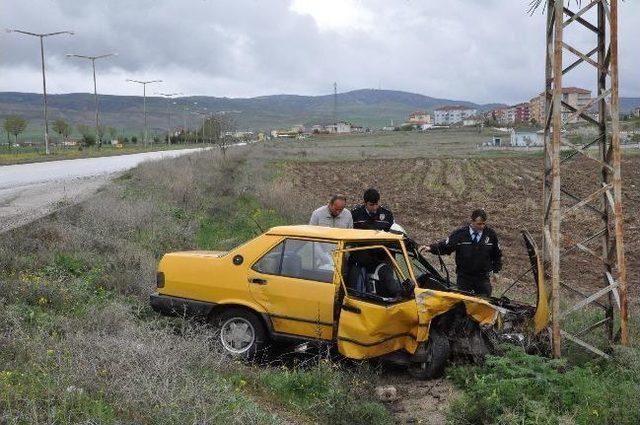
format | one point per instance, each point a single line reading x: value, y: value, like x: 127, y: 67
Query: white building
x: 339, y: 128
x: 527, y: 138
x: 509, y: 116
x: 448, y: 115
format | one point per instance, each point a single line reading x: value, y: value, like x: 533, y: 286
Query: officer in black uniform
x: 477, y: 251
x: 371, y: 215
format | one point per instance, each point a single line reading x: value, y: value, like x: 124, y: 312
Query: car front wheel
x: 242, y: 334
x: 437, y: 355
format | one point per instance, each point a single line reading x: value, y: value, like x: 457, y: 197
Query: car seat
x: 292, y: 265
x: 385, y: 282
x: 357, y: 278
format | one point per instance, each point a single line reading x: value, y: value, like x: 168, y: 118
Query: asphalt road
x: 31, y: 191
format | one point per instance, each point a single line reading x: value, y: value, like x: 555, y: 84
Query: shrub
x: 521, y: 388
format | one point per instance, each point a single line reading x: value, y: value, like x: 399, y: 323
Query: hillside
x: 367, y: 107
x: 370, y: 108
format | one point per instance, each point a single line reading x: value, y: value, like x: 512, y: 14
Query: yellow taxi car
x: 370, y: 293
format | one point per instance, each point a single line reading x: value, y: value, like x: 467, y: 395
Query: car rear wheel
x: 242, y: 334
x: 437, y: 349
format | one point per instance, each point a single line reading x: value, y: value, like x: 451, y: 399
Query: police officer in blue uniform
x: 477, y: 251
x: 371, y: 215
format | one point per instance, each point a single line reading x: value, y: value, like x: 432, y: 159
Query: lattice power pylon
x: 600, y: 196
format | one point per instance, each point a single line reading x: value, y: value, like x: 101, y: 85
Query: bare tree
x: 62, y: 127
x: 218, y: 128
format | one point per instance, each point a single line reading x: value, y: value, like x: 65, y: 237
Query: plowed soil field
x: 432, y: 197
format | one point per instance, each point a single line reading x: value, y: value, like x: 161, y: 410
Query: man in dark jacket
x: 371, y: 215
x: 477, y: 251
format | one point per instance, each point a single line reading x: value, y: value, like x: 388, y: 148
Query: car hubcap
x: 237, y: 335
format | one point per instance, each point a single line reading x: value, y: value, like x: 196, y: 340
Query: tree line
x: 14, y: 125
x: 215, y: 130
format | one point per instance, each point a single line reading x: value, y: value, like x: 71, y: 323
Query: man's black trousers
x: 477, y: 284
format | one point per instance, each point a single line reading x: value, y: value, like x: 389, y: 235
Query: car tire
x: 242, y: 335
x: 437, y: 350
x: 482, y: 343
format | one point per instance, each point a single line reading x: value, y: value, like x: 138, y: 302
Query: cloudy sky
x: 478, y: 50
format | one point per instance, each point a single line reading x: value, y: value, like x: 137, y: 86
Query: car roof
x: 308, y: 231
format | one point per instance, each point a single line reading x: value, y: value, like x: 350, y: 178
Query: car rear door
x: 295, y: 282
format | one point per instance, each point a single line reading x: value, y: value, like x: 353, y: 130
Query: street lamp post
x: 95, y: 88
x: 174, y: 105
x: 169, y: 97
x: 144, y: 103
x: 44, y: 79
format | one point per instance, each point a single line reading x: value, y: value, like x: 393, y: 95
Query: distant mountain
x: 369, y: 108
x: 629, y: 104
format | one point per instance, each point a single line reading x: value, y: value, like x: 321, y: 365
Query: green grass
x: 35, y: 133
x: 324, y: 392
x: 524, y: 389
x: 238, y: 220
x: 28, y: 154
x: 72, y: 404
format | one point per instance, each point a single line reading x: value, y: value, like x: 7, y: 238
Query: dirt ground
x: 432, y: 197
x: 419, y: 402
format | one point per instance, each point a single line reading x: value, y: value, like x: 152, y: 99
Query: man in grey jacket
x: 334, y: 214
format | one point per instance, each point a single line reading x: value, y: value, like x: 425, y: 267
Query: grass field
x: 22, y: 155
x: 387, y: 145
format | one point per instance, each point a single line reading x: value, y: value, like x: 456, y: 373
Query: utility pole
x: 599, y: 199
x: 184, y: 117
x: 169, y: 97
x: 144, y: 103
x: 335, y: 104
x: 44, y: 79
x: 95, y: 88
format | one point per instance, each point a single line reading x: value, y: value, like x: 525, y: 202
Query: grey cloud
x: 488, y: 50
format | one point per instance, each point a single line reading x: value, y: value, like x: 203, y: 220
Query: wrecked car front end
x: 426, y: 322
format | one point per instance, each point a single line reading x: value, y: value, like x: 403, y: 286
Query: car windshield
x: 418, y: 267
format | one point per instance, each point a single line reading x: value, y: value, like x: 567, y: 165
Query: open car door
x: 541, y: 316
x: 372, y: 321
